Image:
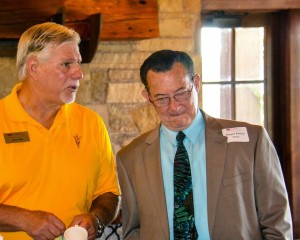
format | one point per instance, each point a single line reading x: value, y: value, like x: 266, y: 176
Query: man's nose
x: 77, y: 74
x: 173, y: 104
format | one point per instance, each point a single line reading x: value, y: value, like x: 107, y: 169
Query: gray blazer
x: 246, y: 193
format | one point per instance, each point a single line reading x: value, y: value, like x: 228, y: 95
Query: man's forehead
x: 66, y: 52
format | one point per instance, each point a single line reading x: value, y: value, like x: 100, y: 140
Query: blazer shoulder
x: 220, y: 123
x: 138, y: 144
x: 254, y: 131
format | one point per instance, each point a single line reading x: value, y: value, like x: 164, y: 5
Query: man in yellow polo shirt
x: 56, y: 162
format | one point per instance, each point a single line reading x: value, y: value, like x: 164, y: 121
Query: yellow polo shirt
x: 60, y: 170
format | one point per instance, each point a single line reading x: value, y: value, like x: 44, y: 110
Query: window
x: 233, y: 73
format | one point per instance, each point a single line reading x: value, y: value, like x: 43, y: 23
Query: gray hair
x: 38, y: 38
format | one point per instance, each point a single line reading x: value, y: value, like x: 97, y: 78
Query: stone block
x: 192, y: 6
x: 120, y: 120
x: 145, y: 118
x: 184, y: 26
x: 101, y: 109
x: 83, y: 95
x: 115, y: 47
x: 180, y: 44
x: 123, y: 75
x: 129, y: 60
x: 99, y: 85
x: 86, y: 71
x: 170, y: 5
x: 125, y: 93
x: 120, y: 140
x: 9, y: 75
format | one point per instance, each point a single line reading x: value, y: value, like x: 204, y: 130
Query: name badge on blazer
x: 16, y: 137
x: 237, y: 134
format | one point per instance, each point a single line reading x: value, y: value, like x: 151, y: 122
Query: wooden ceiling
x: 94, y: 20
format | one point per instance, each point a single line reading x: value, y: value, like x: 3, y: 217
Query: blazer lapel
x: 152, y: 163
x: 216, y: 145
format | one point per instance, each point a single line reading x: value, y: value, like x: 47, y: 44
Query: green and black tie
x: 184, y: 221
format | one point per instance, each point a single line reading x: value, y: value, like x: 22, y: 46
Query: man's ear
x: 145, y: 94
x: 197, y: 81
x: 32, y: 66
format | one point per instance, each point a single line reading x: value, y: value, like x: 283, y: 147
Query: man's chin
x: 69, y: 99
x: 177, y: 125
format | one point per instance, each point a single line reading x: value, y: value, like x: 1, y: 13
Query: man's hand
x: 39, y: 225
x: 87, y: 221
x: 105, y: 206
x: 43, y: 225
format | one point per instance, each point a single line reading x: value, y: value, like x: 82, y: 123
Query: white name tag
x: 237, y: 134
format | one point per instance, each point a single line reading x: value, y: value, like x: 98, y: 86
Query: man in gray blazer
x: 237, y: 182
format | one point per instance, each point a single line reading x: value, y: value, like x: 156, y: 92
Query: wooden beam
x: 88, y: 30
x: 249, y: 5
x: 132, y: 29
x: 121, y: 19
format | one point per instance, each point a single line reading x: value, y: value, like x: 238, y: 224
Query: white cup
x: 76, y: 233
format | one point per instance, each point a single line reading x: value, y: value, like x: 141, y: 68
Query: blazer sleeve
x: 271, y: 195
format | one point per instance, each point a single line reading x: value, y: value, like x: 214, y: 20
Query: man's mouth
x: 177, y: 114
x: 73, y: 88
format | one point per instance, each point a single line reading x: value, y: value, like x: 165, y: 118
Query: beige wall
x: 111, y: 84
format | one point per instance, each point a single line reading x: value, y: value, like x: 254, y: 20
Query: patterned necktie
x: 184, y: 222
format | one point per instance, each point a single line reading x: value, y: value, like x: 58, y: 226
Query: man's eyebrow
x: 166, y: 95
x: 161, y: 95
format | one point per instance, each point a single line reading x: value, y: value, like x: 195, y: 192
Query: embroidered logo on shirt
x: 77, y: 140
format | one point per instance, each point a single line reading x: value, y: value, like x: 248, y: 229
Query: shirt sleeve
x: 107, y: 179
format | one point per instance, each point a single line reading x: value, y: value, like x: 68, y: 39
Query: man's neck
x: 43, y: 113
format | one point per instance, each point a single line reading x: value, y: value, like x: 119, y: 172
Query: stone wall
x: 111, y: 84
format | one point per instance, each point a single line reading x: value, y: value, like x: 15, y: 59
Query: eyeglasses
x: 179, y: 97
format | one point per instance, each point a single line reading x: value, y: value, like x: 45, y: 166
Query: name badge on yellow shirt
x: 16, y: 137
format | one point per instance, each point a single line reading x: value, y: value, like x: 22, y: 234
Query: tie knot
x: 180, y: 136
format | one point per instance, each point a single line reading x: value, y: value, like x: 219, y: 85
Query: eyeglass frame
x: 189, y: 94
